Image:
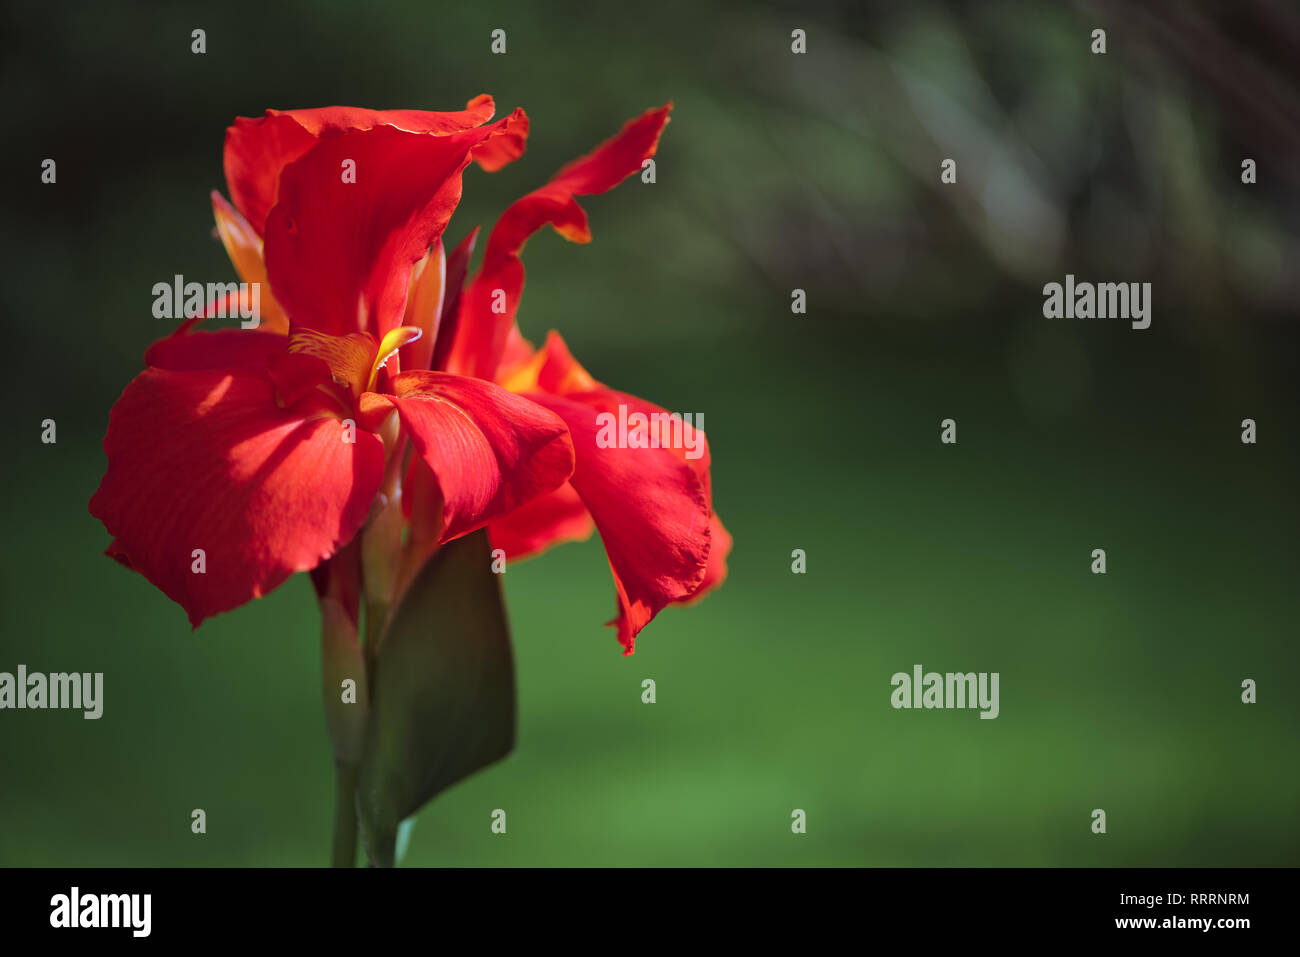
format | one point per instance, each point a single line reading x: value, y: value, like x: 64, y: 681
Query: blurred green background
x: 778, y: 171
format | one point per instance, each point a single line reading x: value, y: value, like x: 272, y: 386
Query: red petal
x: 424, y: 301
x: 547, y: 520
x: 481, y: 333
x: 338, y: 579
x: 653, y: 507
x: 339, y: 254
x: 651, y: 511
x: 457, y: 267
x: 257, y: 150
x: 244, y: 247
x: 550, y: 369
x: 520, y: 362
x: 219, y: 349
x: 204, y: 459
x: 349, y: 358
x: 506, y: 147
x: 298, y: 376
x: 490, y: 451
x: 719, y: 549
x: 693, y: 440
x: 324, y: 120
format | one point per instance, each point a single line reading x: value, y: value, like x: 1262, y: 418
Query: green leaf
x: 403, y: 838
x: 443, y: 696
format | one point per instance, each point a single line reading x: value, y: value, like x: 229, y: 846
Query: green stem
x: 345, y: 816
x: 376, y: 614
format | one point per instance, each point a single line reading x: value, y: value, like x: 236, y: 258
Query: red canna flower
x: 375, y: 379
x: 652, y: 504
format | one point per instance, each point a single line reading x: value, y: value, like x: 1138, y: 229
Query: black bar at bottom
x: 372, y: 907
